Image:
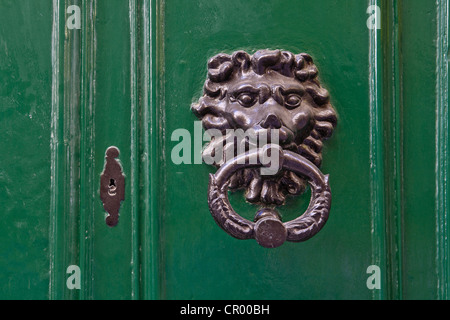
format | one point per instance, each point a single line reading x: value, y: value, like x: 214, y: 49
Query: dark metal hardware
x: 267, y: 92
x: 112, y: 186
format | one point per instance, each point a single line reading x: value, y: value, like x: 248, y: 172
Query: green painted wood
x: 392, y: 100
x: 65, y: 153
x: 128, y: 77
x: 88, y: 176
x: 151, y: 156
x: 25, y: 116
x: 442, y: 151
x: 202, y: 262
x: 377, y: 153
x: 422, y: 218
x: 115, y: 259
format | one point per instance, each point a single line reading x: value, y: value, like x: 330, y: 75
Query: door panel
x: 424, y: 150
x: 113, y: 113
x: 25, y: 118
x: 197, y: 253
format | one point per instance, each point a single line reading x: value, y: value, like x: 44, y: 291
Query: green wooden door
x: 79, y: 76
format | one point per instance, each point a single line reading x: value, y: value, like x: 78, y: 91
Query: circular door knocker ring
x: 267, y: 228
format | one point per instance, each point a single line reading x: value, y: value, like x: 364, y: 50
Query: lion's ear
x: 319, y: 94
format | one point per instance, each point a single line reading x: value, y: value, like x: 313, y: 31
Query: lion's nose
x: 271, y: 122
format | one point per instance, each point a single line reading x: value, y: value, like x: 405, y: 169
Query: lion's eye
x: 292, y: 101
x: 247, y: 99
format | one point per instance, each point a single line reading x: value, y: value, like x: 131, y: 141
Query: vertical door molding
x: 65, y: 150
x: 442, y: 151
x: 377, y: 201
x: 393, y: 147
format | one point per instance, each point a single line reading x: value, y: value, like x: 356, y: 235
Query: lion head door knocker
x: 272, y: 97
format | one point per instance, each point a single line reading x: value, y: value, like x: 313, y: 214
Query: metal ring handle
x: 268, y: 230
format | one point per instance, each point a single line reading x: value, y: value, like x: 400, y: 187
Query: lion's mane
x: 222, y: 68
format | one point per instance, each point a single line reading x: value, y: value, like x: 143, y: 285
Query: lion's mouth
x: 224, y: 148
x: 283, y: 137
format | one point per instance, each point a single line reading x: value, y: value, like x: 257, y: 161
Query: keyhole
x: 112, y: 187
